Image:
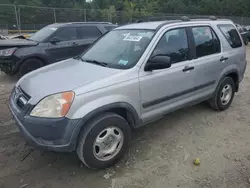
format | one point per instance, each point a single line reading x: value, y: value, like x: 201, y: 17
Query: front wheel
x: 224, y: 95
x: 29, y: 65
x: 104, y: 141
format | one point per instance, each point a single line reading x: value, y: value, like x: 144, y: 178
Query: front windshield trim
x: 117, y: 66
x: 48, y: 36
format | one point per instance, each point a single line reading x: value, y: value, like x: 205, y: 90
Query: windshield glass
x: 44, y: 33
x: 120, y: 48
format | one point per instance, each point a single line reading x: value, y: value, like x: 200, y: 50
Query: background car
x: 244, y: 33
x: 51, y: 44
x: 247, y: 27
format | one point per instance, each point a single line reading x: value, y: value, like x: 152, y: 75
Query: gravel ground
x: 160, y: 155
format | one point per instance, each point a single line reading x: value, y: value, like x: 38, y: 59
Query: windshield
x: 120, y: 48
x: 44, y: 33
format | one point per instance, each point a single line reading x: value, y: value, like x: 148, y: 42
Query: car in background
x: 248, y: 32
x: 51, y: 44
x: 247, y: 27
x: 244, y: 33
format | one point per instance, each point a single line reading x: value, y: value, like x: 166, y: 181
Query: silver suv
x: 132, y: 75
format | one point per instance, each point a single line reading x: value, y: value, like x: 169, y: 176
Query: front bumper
x: 9, y: 64
x: 55, y: 134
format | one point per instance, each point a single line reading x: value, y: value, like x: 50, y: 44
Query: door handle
x: 222, y: 59
x: 74, y: 44
x: 187, y: 68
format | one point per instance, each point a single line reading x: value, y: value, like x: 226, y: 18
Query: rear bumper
x: 57, y: 134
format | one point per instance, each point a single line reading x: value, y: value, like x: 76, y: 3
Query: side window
x: 231, y: 34
x: 174, y: 44
x: 87, y: 32
x: 66, y: 34
x: 206, y: 41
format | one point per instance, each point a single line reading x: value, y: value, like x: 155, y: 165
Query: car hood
x: 17, y: 43
x: 63, y: 76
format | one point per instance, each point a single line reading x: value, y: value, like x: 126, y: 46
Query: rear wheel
x: 104, y: 140
x: 246, y: 41
x: 29, y: 65
x: 224, y: 95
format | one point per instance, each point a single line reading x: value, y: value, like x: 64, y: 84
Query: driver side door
x: 62, y: 49
x: 168, y: 89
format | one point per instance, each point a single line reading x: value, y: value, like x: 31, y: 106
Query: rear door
x: 62, y: 49
x: 234, y: 49
x: 208, y: 59
x: 87, y: 35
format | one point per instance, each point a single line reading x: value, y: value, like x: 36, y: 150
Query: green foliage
x: 119, y: 10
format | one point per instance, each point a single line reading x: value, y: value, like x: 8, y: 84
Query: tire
x: 88, y: 149
x: 29, y: 65
x: 219, y: 101
x: 246, y: 42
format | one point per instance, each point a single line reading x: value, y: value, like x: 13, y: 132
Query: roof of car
x: 81, y: 23
x: 157, y: 24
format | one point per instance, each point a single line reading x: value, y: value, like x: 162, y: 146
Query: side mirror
x: 158, y: 62
x: 54, y: 40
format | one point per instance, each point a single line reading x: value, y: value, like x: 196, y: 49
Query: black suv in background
x: 51, y: 44
x: 244, y: 33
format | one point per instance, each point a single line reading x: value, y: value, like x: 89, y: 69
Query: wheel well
x: 33, y: 57
x: 123, y: 112
x: 131, y: 118
x: 235, y: 78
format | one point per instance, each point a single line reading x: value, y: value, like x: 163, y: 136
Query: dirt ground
x: 160, y: 155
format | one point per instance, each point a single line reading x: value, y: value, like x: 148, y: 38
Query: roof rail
x: 90, y: 22
x: 186, y: 18
x: 212, y: 17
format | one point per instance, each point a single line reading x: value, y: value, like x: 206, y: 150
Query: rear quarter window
x: 231, y: 34
x: 88, y: 32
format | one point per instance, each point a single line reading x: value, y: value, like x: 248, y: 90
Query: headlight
x: 7, y: 52
x: 54, y: 106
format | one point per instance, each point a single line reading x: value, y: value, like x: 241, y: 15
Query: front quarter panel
x: 125, y: 92
x: 33, y: 51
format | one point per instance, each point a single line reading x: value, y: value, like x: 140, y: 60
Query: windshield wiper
x: 91, y: 61
x: 79, y: 58
x: 95, y: 62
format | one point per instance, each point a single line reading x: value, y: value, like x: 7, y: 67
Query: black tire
x: 215, y: 102
x: 29, y: 65
x: 246, y: 41
x: 89, y: 134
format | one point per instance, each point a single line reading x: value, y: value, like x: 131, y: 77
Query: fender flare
x: 129, y: 108
x: 40, y: 57
x: 238, y: 77
x: 227, y: 73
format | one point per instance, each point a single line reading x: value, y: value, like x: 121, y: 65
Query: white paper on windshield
x: 53, y: 28
x: 133, y: 38
x: 123, y: 62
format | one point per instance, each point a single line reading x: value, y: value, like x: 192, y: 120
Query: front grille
x: 25, y: 95
x: 20, y: 104
x: 21, y: 98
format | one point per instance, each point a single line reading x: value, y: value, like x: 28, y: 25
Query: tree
x: 121, y: 11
